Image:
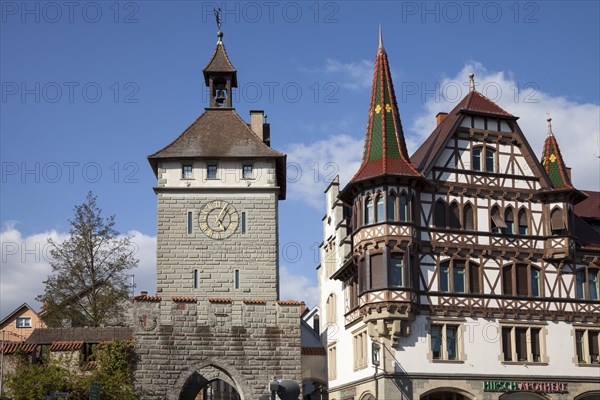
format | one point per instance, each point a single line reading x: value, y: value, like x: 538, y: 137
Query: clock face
x: 218, y: 219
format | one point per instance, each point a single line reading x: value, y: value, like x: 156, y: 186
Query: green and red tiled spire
x: 385, y: 150
x: 553, y: 163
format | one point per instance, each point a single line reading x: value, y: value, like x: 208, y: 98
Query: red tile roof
x: 12, y: 347
x: 554, y: 165
x: 66, y: 346
x: 254, y: 301
x: 185, y: 299
x: 145, y: 297
x: 290, y: 303
x: 590, y: 207
x: 385, y: 149
x: 220, y: 300
x: 476, y: 102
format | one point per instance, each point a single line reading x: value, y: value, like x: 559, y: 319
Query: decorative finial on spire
x: 381, y: 49
x: 471, y: 82
x: 549, y: 119
x: 217, y: 13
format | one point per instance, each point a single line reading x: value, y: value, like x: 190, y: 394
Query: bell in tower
x: 220, y: 76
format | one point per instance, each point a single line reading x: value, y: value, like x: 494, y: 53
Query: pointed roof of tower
x: 220, y: 63
x: 385, y: 150
x: 553, y: 163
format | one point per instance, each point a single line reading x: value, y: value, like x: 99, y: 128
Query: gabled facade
x: 19, y: 324
x: 463, y: 272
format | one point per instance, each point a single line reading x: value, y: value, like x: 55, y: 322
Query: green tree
x: 88, y: 285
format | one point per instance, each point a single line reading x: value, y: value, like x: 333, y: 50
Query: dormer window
x: 24, y: 322
x: 187, y: 171
x: 484, y: 159
x: 211, y: 171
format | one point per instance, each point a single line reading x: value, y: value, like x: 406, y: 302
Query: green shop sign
x: 511, y: 386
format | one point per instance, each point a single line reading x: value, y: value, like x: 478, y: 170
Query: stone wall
x: 244, y: 343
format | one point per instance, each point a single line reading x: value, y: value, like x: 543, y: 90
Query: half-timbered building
x: 461, y: 272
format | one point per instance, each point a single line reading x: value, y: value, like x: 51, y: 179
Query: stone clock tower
x: 216, y: 316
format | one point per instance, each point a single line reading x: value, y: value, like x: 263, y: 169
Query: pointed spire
x: 385, y: 149
x: 471, y: 82
x: 381, y: 49
x: 549, y: 120
x: 553, y: 162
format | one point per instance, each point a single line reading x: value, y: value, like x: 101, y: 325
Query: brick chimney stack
x: 440, y: 117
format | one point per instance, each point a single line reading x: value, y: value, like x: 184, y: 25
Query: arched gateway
x: 209, y: 381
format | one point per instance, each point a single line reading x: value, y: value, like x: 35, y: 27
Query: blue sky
x: 89, y: 89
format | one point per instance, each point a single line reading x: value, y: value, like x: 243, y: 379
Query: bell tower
x: 220, y: 76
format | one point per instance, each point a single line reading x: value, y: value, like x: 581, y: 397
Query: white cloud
x: 575, y: 125
x: 26, y: 264
x: 353, y: 75
x: 312, y: 167
x: 298, y: 287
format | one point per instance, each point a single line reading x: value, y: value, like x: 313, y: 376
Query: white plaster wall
x: 228, y: 174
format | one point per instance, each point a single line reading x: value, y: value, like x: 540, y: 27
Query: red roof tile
x: 476, y: 102
x: 385, y: 149
x: 220, y: 300
x: 590, y: 207
x: 12, y: 347
x: 290, y: 303
x: 185, y: 299
x: 147, y: 298
x: 66, y: 346
x: 254, y: 301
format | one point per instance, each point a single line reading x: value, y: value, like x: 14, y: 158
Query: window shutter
x: 497, y: 218
x: 556, y: 220
x: 378, y: 279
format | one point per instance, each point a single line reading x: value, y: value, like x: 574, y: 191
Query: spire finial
x: 217, y: 12
x: 549, y: 119
x: 381, y: 49
x: 471, y: 82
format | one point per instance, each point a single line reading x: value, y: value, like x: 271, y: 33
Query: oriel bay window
x: 369, y: 212
x: 391, y: 207
x: 521, y: 280
x: 383, y: 270
x: 522, y: 344
x: 557, y: 222
x: 457, y: 276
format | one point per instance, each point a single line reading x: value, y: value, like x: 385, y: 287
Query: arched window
x: 468, y: 220
x: 557, y: 222
x: 454, y: 216
x: 440, y: 214
x: 403, y: 208
x: 509, y: 220
x: 497, y: 222
x: 521, y: 280
x: 523, y: 225
x: 369, y: 211
x: 380, y: 209
x: 330, y: 309
x: 391, y: 207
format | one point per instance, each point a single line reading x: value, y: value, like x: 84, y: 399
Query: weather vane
x: 217, y: 12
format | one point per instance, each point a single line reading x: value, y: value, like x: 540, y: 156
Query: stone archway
x: 193, y: 380
x: 446, y: 394
x: 522, y: 396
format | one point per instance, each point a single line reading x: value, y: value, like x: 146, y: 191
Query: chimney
x: 569, y: 173
x: 144, y: 293
x: 440, y: 117
x: 256, y: 122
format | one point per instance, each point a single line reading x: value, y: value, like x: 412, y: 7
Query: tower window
x: 190, y: 224
x: 247, y: 171
x: 523, y: 225
x: 243, y: 222
x: 380, y: 208
x: 403, y: 208
x: 186, y: 171
x: 454, y: 216
x: 237, y: 279
x: 211, y: 171
x: 468, y: 220
x: 397, y: 270
x: 369, y: 211
x: 391, y: 207
x: 195, y: 279
x: 557, y: 223
x: 440, y: 214
x: 509, y: 220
